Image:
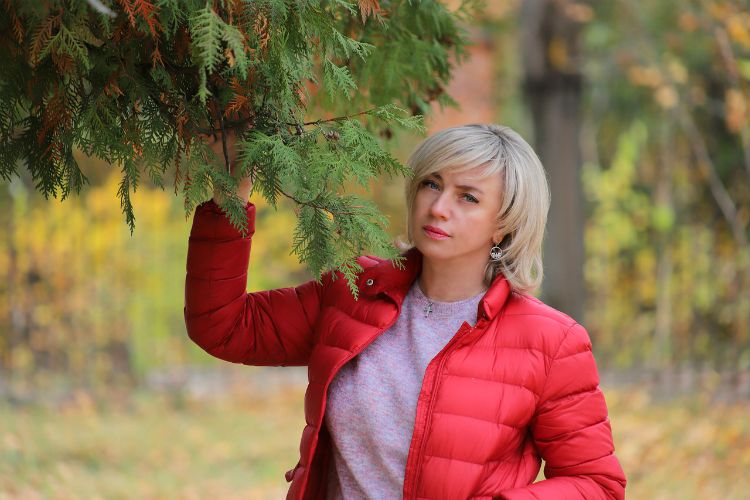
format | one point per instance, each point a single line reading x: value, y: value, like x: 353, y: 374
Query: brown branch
x: 336, y: 119
x: 228, y: 125
x: 224, y: 146
x: 718, y: 190
x: 316, y: 205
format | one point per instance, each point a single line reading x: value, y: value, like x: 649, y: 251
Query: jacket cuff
x: 210, y: 222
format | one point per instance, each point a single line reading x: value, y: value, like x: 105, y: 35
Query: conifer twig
x: 336, y: 119
x: 316, y: 205
x: 224, y: 141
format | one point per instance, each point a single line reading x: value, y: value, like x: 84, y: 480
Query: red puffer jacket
x: 518, y: 386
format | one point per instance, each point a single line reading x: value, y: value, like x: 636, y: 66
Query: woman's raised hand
x: 246, y: 183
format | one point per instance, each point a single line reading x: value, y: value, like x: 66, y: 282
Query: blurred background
x: 640, y: 113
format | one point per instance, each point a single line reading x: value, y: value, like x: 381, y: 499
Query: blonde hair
x: 525, y: 192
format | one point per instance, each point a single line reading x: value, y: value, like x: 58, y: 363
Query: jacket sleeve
x: 270, y: 327
x: 571, y: 430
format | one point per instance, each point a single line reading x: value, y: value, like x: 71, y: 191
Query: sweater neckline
x: 420, y: 293
x: 432, y: 308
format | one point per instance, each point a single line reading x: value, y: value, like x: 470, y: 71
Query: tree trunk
x: 553, y: 86
x: 662, y: 355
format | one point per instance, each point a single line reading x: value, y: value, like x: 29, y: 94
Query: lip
x: 435, y: 233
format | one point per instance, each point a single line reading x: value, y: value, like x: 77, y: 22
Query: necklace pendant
x: 428, y: 309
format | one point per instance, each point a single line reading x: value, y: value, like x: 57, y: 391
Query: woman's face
x: 464, y: 208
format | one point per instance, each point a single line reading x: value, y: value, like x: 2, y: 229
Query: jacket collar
x: 388, y: 279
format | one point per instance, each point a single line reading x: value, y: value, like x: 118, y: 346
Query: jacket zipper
x: 435, y: 384
x: 335, y: 371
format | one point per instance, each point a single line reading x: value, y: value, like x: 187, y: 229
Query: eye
x: 430, y: 184
x: 470, y: 198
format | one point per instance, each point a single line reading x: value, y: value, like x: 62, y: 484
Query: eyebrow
x: 465, y: 187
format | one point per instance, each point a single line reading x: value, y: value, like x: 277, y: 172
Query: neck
x: 447, y: 282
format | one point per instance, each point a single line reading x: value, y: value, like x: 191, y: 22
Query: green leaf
x: 129, y: 181
x: 234, y: 39
x: 352, y: 46
x: 206, y: 29
x: 391, y: 113
x: 338, y: 79
x: 65, y: 42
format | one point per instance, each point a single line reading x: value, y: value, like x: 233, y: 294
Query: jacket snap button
x: 370, y: 282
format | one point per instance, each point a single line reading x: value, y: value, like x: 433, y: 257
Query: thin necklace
x: 428, y: 308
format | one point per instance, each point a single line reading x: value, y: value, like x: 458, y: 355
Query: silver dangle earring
x: 496, y: 253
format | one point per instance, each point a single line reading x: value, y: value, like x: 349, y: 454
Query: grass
x: 686, y: 448
x: 151, y: 448
x: 157, y: 446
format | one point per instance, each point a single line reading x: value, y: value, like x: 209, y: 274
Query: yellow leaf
x: 557, y: 52
x: 677, y: 71
x: 666, y: 97
x: 645, y: 76
x: 737, y: 27
x: 736, y: 110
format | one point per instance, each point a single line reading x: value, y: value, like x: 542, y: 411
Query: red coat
x: 518, y: 386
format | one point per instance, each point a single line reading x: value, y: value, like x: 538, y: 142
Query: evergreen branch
x: 351, y: 46
x: 385, y: 113
x: 317, y: 205
x: 338, y: 79
x: 112, y: 87
x: 206, y: 30
x: 129, y: 179
x: 224, y: 141
x: 336, y: 119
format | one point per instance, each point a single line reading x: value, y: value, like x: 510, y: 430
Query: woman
x: 445, y: 379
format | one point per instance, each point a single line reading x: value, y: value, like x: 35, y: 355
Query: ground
x: 238, y: 444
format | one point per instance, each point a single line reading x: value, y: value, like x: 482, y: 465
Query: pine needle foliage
x: 147, y: 84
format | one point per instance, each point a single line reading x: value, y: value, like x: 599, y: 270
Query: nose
x: 440, y: 207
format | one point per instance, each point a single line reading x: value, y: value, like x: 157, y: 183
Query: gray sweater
x: 373, y: 399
